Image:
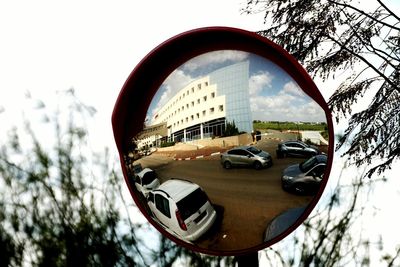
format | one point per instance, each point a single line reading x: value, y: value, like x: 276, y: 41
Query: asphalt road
x: 246, y: 199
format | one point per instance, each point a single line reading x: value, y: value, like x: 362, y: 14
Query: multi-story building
x: 203, y: 107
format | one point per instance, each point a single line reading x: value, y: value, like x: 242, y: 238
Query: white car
x: 182, y: 208
x: 146, y: 180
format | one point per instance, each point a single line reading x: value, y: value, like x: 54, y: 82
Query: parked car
x: 146, y: 180
x: 182, y: 208
x: 282, y: 222
x: 297, y: 149
x: 306, y: 177
x: 246, y: 156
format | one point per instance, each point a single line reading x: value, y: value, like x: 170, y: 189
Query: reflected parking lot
x: 261, y: 195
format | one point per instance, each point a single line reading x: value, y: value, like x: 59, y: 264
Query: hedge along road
x: 250, y: 198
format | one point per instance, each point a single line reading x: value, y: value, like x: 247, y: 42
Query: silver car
x: 246, y: 156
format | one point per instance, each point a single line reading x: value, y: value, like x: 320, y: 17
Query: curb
x: 199, y: 157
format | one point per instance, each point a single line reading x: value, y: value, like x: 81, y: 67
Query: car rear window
x: 148, y: 177
x: 192, y: 203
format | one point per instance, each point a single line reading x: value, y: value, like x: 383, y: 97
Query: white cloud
x: 289, y: 104
x: 293, y: 89
x: 259, y: 81
x: 272, y: 102
x: 285, y: 107
x: 175, y: 81
x: 214, y: 57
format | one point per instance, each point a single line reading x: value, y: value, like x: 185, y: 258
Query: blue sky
x: 274, y: 95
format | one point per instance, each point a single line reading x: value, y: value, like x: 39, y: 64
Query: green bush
x: 167, y: 144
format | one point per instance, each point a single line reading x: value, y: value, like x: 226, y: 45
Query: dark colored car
x: 296, y: 149
x: 306, y: 177
x: 282, y: 222
x: 246, y: 156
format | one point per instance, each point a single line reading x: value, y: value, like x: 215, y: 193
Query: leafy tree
x: 333, y: 234
x: 231, y: 129
x: 335, y: 39
x: 351, y: 39
x: 62, y: 204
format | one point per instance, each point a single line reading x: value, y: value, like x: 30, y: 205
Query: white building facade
x: 203, y: 107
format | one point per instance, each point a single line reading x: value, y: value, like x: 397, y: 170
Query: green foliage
x: 284, y: 126
x: 362, y: 44
x: 167, y: 144
x: 231, y: 129
x: 56, y: 211
x: 61, y: 204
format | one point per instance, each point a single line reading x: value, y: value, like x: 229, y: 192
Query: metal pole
x: 248, y: 260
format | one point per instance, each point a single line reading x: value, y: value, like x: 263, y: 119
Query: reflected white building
x: 203, y: 107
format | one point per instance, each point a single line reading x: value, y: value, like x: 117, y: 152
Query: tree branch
x: 366, y: 62
x: 388, y: 10
x: 365, y: 14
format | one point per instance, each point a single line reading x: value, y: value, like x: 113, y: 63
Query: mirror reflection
x: 231, y: 153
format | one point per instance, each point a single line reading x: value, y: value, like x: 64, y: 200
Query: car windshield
x: 254, y: 150
x: 148, y: 177
x: 305, y: 144
x: 308, y: 164
x: 191, y: 203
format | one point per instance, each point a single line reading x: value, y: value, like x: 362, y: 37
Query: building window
x: 199, y: 86
x: 187, y: 119
x: 192, y: 117
x: 211, y: 110
x: 221, y: 108
x: 183, y: 108
x: 187, y: 105
x: 197, y: 115
x: 192, y: 103
x: 212, y: 95
x: 187, y: 92
x: 192, y: 89
x: 206, y: 83
x: 198, y: 101
x: 205, y: 98
x: 204, y: 113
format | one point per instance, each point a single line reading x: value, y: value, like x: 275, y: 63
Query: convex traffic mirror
x: 225, y: 141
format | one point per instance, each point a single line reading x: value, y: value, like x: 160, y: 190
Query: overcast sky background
x: 51, y: 46
x: 274, y: 95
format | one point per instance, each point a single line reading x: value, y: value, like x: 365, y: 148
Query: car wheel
x: 299, y: 189
x: 257, y: 165
x: 270, y: 164
x: 227, y: 165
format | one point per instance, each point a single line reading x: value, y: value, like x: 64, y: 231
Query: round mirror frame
x: 145, y: 80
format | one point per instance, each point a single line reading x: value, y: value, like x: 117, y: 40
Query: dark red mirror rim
x: 142, y: 84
